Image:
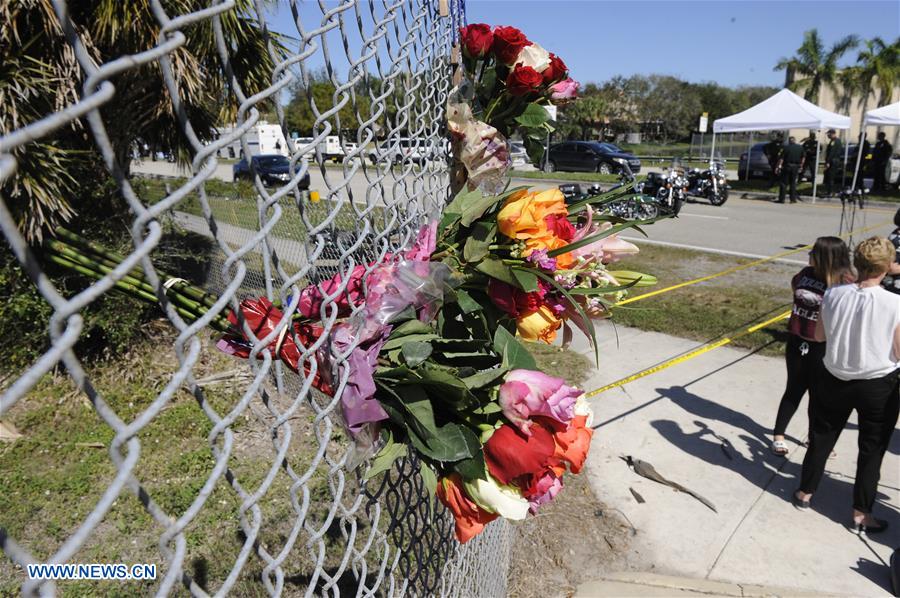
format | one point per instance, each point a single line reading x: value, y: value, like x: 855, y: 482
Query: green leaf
x: 637, y: 279
x: 410, y: 327
x: 477, y: 209
x: 535, y: 149
x: 393, y: 343
x: 515, y: 355
x: 408, y: 313
x: 482, y: 379
x: 534, y: 115
x: 472, y: 469
x: 451, y: 442
x: 466, y: 303
x: 415, y: 353
x: 489, y: 408
x: 429, y: 479
x: 385, y: 458
x: 462, y: 201
x: 450, y: 387
x: 495, y: 268
x: 477, y: 246
x: 526, y: 278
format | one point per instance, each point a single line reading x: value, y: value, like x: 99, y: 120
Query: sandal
x: 798, y: 502
x: 780, y: 448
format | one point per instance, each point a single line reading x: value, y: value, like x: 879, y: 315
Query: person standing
x: 810, y: 150
x: 829, y: 265
x: 881, y: 157
x: 834, y: 156
x: 772, y: 151
x: 790, y: 165
x: 861, y: 324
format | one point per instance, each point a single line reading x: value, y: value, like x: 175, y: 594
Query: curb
x: 653, y: 584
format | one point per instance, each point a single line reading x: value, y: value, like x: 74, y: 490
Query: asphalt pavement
x: 743, y: 227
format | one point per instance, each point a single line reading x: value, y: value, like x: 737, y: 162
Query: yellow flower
x: 539, y: 325
x: 522, y: 216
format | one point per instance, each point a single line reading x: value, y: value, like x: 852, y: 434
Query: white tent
x: 886, y: 115
x: 784, y: 110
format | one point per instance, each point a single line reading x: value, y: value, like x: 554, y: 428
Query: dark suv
x: 589, y: 156
x: 273, y: 169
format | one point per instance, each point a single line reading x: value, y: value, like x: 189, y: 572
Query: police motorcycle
x: 669, y: 188
x: 637, y: 207
x: 710, y: 183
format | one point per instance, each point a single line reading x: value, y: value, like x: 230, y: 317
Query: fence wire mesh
x: 271, y: 500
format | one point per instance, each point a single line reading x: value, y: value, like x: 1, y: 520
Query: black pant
x: 804, y: 369
x: 879, y: 183
x: 832, y: 178
x: 877, y: 403
x: 789, y: 174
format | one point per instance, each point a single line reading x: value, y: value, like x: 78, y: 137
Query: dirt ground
x: 572, y: 540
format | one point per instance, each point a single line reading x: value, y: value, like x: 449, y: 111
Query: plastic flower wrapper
x: 479, y: 147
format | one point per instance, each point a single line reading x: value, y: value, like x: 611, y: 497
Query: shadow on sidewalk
x: 775, y: 475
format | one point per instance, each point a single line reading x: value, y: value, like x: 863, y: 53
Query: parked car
x: 404, y: 149
x: 517, y: 154
x: 588, y: 156
x: 273, y: 169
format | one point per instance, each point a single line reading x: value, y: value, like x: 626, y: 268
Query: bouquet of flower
x: 508, y: 82
x: 423, y: 351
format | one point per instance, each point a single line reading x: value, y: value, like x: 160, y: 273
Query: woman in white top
x: 861, y: 323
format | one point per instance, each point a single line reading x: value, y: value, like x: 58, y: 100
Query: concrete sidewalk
x: 706, y: 424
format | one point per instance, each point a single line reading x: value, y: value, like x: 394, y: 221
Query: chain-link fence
x: 271, y: 500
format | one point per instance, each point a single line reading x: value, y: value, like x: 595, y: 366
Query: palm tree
x: 813, y: 66
x: 61, y: 176
x: 880, y: 61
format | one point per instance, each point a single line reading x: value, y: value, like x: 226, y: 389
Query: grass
x: 706, y: 310
x: 762, y: 185
x: 235, y: 204
x: 591, y: 177
x: 53, y: 476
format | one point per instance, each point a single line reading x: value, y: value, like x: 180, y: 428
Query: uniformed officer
x: 790, y: 165
x: 773, y: 151
x: 881, y: 156
x: 834, y: 157
x: 810, y: 149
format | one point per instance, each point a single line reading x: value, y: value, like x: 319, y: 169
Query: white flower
x: 582, y: 408
x: 506, y: 501
x: 534, y: 56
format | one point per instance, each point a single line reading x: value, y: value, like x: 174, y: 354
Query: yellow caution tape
x: 739, y: 267
x: 690, y: 354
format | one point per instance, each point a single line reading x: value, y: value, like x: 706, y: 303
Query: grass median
x: 706, y: 310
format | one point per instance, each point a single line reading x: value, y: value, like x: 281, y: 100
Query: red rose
x: 515, y: 301
x: 513, y: 457
x: 522, y: 80
x: 560, y: 226
x: 476, y: 40
x: 556, y: 71
x: 508, y: 42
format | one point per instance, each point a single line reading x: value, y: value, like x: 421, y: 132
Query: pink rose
x: 567, y: 89
x: 543, y: 490
x: 526, y: 393
x: 425, y: 243
x: 606, y: 250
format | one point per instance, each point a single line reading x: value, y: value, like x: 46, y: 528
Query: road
x: 745, y: 227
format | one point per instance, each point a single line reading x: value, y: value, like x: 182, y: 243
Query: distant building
x: 262, y: 138
x: 854, y: 106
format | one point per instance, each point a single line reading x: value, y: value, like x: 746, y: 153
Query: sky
x: 731, y: 42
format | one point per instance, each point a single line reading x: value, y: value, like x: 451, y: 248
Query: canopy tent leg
x: 816, y: 169
x: 862, y: 141
x: 749, y: 151
x: 712, y: 149
x: 846, y: 157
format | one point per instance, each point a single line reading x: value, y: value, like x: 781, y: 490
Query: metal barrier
x: 298, y: 518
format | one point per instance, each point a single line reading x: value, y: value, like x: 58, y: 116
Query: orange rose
x: 549, y: 242
x: 539, y: 325
x: 522, y: 216
x: 572, y: 445
x: 469, y: 517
